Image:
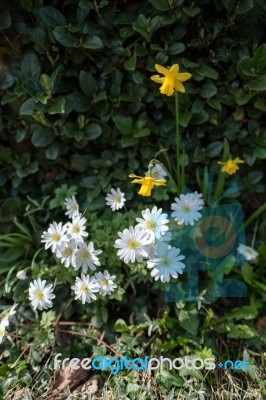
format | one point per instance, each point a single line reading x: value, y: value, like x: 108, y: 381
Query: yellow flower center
x: 132, y: 244
x: 104, y: 282
x: 230, y: 167
x: 39, y: 295
x: 2, y: 332
x: 67, y: 252
x: 168, y: 85
x: 165, y: 262
x: 75, y: 229
x: 151, y: 224
x: 56, y: 237
x: 186, y: 209
x: 84, y: 288
x: 84, y: 255
x: 118, y: 199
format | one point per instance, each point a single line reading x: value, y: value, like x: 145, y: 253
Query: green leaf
x: 42, y: 137
x: 30, y: 65
x: 58, y: 107
x: 51, y: 16
x: 161, y: 5
x: 130, y: 64
x: 259, y: 59
x: 260, y: 104
x: 124, y: 124
x: 64, y: 37
x: 5, y: 20
x: 87, y: 83
x: 142, y: 132
x: 142, y: 26
x: 176, y: 48
x: 28, y: 107
x: 192, y: 11
x: 120, y: 326
x: 241, y: 332
x: 244, y: 6
x: 208, y: 90
x: 128, y: 141
x: 188, y: 319
x: 51, y: 153
x: 260, y: 152
x: 6, y: 80
x: 206, y: 71
x: 215, y: 148
x: 92, y: 131
x: 258, y: 83
x: 92, y: 42
x: 243, y: 97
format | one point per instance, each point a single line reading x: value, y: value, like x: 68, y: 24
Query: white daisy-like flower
x: 22, y: 274
x: 84, y: 288
x: 66, y: 253
x: 105, y: 282
x: 115, y: 199
x: 167, y: 263
x: 134, y: 244
x: 86, y: 257
x: 186, y: 208
x: 247, y: 251
x: 72, y: 207
x: 55, y: 236
x: 3, y: 326
x: 158, y: 172
x: 40, y: 295
x: 77, y: 228
x: 153, y: 222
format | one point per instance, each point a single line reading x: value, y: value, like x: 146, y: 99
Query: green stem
x: 177, y: 141
x: 255, y: 215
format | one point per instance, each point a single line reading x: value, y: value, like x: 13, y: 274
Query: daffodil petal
x: 157, y: 78
x: 137, y: 181
x: 179, y: 86
x: 238, y: 161
x: 135, y: 176
x: 184, y: 76
x: 174, y: 69
x: 162, y: 70
x: 159, y: 182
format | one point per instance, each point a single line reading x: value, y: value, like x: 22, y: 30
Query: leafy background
x: 79, y: 113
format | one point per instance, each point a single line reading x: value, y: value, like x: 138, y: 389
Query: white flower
x: 84, y: 288
x: 40, y: 295
x: 153, y: 222
x: 133, y: 244
x: 158, y: 172
x: 86, y: 257
x: 115, y: 199
x: 72, y: 207
x: 55, y: 236
x: 77, y: 229
x: 66, y: 253
x: 12, y: 310
x: 105, y: 282
x: 246, y: 251
x: 187, y: 207
x: 2, y: 329
x: 167, y: 262
x: 22, y: 274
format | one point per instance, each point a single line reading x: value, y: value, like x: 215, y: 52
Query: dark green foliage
x: 78, y: 104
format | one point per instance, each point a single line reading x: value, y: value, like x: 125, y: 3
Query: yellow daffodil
x: 172, y: 79
x: 147, y: 183
x: 230, y: 166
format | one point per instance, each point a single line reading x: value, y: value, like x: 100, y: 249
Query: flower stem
x: 177, y: 141
x: 255, y: 215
